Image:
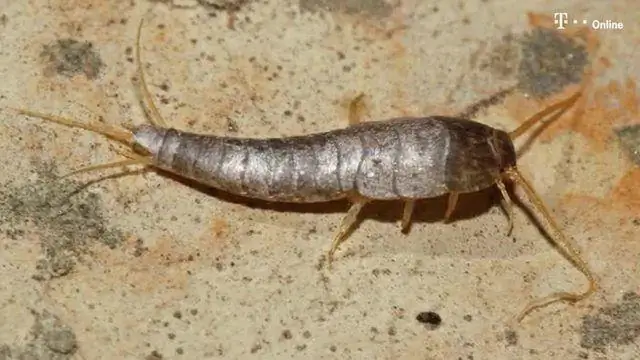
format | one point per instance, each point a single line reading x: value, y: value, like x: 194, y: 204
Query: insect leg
x: 566, y: 247
x: 357, y: 109
x: 347, y: 222
x: 406, y: 215
x: 149, y: 106
x: 451, y: 205
x: 506, y: 204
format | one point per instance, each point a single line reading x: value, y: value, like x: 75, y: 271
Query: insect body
x: 399, y: 159
x: 403, y: 158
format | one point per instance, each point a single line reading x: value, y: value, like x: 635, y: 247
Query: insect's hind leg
x: 345, y: 225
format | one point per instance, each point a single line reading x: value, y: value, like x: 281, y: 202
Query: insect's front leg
x: 506, y: 204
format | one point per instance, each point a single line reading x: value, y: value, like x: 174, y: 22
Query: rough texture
x: 394, y: 159
x: 146, y: 266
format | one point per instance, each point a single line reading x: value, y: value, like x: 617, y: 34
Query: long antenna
x: 564, y: 104
x: 566, y: 247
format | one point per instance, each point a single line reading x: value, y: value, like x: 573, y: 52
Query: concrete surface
x: 147, y: 267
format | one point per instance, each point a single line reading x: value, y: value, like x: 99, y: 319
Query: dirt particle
x: 511, y: 337
x: 431, y: 319
x: 255, y: 348
x: 378, y: 272
x: 286, y: 334
x: 69, y: 57
x: 617, y: 324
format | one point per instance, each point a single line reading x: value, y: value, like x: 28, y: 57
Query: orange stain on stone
x: 595, y: 116
x: 599, y: 111
x: 623, y: 199
x: 626, y: 194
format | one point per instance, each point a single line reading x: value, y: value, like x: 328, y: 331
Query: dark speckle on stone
x: 431, y: 319
x: 629, y: 136
x: 49, y: 338
x: 549, y: 62
x: 69, y: 57
x: 223, y: 5
x: 511, y: 337
x: 155, y: 355
x: 374, y: 8
x: 502, y: 58
x: 615, y: 325
x: 68, y: 219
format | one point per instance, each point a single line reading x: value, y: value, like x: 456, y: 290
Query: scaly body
x: 403, y: 158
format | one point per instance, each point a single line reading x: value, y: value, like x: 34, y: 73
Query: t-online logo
x: 561, y: 19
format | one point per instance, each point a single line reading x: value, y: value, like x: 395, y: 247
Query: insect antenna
x: 561, y: 105
x: 119, y: 134
x: 566, y: 247
x: 153, y: 115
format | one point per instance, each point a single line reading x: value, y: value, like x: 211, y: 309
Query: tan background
x: 146, y: 267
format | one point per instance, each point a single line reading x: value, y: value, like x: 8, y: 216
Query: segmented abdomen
x: 398, y: 158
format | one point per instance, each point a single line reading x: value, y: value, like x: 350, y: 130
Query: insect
x: 402, y: 159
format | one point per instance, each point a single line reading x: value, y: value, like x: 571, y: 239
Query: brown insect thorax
x: 477, y: 155
x: 506, y: 153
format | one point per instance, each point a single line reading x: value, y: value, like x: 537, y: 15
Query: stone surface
x: 146, y: 266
